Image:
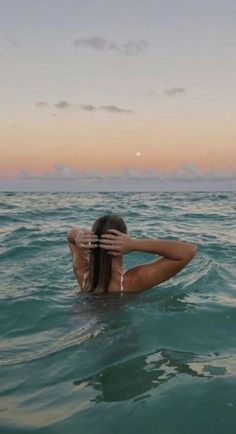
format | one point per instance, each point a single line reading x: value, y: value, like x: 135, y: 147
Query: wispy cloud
x: 64, y: 105
x: 170, y: 92
x: 88, y: 107
x: 128, y: 48
x: 42, y: 104
x: 187, y: 173
x: 61, y: 171
x: 173, y: 91
x: 114, y: 109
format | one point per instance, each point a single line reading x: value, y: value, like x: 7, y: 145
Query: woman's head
x: 100, y: 260
x: 108, y: 221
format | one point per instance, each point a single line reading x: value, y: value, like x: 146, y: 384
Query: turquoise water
x: 163, y: 361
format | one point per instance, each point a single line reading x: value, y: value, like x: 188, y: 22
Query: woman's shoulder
x: 127, y: 282
x: 130, y: 280
x: 141, y: 276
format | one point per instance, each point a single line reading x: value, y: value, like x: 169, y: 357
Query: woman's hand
x: 116, y: 243
x: 86, y: 240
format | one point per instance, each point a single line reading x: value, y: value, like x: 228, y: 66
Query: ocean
x: 163, y: 361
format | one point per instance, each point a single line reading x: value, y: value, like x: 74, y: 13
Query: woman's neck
x: 116, y: 264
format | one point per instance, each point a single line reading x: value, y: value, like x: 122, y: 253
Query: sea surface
x: 163, y: 361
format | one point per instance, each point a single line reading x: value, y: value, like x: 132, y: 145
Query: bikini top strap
x: 121, y: 282
x: 85, y: 275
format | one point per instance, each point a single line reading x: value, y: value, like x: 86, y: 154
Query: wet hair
x: 100, y: 260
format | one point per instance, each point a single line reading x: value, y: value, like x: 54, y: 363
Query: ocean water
x: 163, y: 361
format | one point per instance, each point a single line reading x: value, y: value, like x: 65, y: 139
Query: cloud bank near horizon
x: 187, y: 173
x: 62, y: 177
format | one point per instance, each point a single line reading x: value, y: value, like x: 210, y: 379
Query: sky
x: 107, y: 95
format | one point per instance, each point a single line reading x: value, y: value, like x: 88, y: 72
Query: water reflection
x: 136, y: 378
x: 96, y: 310
x: 170, y: 300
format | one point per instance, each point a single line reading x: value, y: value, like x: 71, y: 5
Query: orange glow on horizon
x: 164, y: 146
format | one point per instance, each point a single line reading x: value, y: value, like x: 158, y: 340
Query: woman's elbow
x: 71, y: 235
x: 192, y: 250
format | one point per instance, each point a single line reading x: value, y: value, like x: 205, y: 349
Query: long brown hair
x: 100, y: 260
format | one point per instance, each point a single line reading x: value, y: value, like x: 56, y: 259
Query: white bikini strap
x: 85, y: 275
x: 121, y: 283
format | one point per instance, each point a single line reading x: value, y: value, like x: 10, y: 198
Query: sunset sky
x: 109, y: 94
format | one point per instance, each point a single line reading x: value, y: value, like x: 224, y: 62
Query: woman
x: 97, y: 258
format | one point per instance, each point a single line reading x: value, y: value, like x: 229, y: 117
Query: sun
x: 138, y: 154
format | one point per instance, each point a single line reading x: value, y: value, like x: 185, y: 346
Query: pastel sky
x: 109, y: 94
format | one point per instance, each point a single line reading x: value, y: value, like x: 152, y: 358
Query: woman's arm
x: 118, y: 243
x: 87, y: 239
x: 166, y: 248
x: 175, y: 256
x: 74, y: 233
x: 79, y: 255
x: 80, y: 249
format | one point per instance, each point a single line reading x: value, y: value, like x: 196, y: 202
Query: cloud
x: 114, y: 109
x: 170, y: 92
x: 187, y: 173
x: 64, y: 105
x: 107, y: 108
x: 88, y: 107
x: 190, y: 172
x: 173, y: 91
x: 94, y: 42
x: 62, y: 177
x: 128, y: 48
x: 41, y: 104
x: 60, y: 171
